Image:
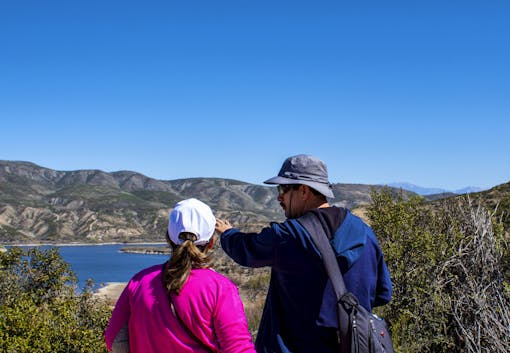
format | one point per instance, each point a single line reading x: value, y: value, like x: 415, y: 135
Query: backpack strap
x: 314, y: 228
x: 186, y: 328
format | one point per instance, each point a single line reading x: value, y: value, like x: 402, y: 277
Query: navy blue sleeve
x: 384, y: 285
x: 252, y: 249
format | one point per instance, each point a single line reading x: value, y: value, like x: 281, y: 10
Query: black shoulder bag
x: 359, y: 331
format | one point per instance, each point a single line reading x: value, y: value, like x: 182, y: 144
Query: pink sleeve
x: 230, y: 322
x: 119, y: 318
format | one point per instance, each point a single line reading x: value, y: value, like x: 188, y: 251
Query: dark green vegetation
x: 40, y: 310
x: 449, y: 265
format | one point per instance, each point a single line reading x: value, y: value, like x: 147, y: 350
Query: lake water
x: 105, y: 263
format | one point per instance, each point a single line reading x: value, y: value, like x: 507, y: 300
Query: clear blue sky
x: 383, y: 91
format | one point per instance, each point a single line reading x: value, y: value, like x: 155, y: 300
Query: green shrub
x: 40, y: 309
x: 447, y: 266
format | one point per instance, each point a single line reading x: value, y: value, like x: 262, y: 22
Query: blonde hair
x: 184, y: 258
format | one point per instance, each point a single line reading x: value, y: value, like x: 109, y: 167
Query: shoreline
x: 111, y: 291
x: 146, y: 250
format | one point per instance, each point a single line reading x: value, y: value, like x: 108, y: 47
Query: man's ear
x: 305, y: 192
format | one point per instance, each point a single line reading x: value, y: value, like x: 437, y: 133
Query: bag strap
x: 348, y: 301
x: 186, y: 328
x: 310, y: 222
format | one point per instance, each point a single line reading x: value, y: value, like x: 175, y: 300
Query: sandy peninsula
x: 111, y: 291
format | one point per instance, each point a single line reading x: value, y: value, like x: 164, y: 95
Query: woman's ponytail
x: 184, y: 258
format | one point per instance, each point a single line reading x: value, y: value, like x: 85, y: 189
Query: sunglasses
x: 283, y: 189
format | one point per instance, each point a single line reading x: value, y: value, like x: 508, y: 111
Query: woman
x: 181, y: 305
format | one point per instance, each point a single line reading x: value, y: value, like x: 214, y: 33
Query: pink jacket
x: 209, y: 304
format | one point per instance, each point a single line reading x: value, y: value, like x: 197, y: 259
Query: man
x: 300, y: 313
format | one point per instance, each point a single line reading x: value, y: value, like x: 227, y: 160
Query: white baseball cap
x: 191, y: 216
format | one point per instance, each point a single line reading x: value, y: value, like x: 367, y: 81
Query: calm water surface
x: 105, y: 263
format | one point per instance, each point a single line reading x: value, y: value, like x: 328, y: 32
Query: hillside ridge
x: 39, y: 204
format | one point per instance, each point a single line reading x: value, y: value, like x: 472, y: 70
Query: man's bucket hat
x: 304, y: 169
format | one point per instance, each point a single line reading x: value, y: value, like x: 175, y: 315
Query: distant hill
x: 38, y: 204
x: 420, y: 190
x: 496, y: 200
x: 424, y: 191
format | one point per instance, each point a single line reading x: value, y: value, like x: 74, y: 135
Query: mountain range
x: 425, y: 191
x: 41, y: 205
x: 38, y: 204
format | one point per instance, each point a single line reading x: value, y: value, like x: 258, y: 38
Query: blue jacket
x: 299, y: 313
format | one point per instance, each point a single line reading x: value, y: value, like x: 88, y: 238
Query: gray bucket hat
x: 306, y: 170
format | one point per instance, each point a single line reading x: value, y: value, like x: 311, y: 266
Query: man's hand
x: 222, y: 225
